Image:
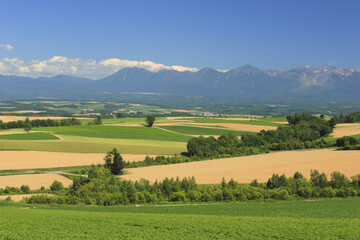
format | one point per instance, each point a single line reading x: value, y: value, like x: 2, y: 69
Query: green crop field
x: 29, y: 136
x: 255, y: 122
x: 273, y: 119
x: 97, y: 145
x: 272, y: 220
x: 203, y: 131
x: 117, y: 132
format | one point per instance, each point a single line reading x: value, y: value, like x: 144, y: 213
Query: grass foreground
x: 256, y: 220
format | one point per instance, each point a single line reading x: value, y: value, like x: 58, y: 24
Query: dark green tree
x: 114, y: 162
x: 25, y: 188
x: 27, y: 125
x: 149, y: 121
x: 56, y: 186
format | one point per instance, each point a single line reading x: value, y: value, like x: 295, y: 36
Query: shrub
x: 25, y: 188
x: 178, y: 197
x: 56, y: 186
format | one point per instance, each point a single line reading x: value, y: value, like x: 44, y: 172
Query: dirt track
x: 35, y: 181
x: 35, y: 159
x: 261, y: 167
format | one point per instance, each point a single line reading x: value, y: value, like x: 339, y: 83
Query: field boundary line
x: 172, y: 131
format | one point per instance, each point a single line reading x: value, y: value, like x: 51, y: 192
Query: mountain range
x: 316, y: 82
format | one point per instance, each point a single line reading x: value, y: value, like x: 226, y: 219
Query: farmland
x: 63, y: 153
x: 260, y: 167
x: 29, y: 136
x: 346, y: 129
x: 285, y: 220
x: 34, y: 181
x: 36, y: 160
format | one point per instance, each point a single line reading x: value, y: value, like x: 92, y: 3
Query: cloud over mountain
x: 78, y: 67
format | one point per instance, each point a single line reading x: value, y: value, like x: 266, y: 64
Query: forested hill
x: 324, y: 82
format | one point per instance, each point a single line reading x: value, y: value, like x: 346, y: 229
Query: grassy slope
x: 101, y: 139
x: 29, y: 136
x: 203, y: 131
x: 327, y: 219
x: 116, y: 132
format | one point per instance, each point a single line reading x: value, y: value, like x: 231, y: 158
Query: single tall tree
x: 150, y: 121
x: 114, y: 162
x: 27, y: 125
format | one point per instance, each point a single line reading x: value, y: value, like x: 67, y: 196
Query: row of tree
x: 303, y: 131
x: 348, y: 143
x: 103, y: 188
x: 39, y: 123
x: 352, y: 117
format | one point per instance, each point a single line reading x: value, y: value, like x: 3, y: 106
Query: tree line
x: 104, y: 189
x: 303, y: 131
x: 353, y: 117
x: 39, y: 123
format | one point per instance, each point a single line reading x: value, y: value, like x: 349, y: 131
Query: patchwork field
x: 34, y: 160
x: 260, y: 167
x: 34, y: 181
x: 272, y: 220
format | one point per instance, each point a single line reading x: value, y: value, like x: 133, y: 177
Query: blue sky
x: 219, y: 34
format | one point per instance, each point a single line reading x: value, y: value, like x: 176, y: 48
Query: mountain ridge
x: 325, y: 82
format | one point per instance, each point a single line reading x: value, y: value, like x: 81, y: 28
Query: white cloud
x: 148, y: 65
x: 78, y: 67
x: 7, y: 47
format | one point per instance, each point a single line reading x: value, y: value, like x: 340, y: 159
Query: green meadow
x: 203, y: 131
x: 29, y: 136
x: 256, y: 220
x: 116, y: 132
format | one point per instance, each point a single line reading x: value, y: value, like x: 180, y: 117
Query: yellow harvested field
x: 240, y: 127
x: 260, y: 167
x: 20, y: 197
x: 7, y: 118
x: 35, y: 181
x: 28, y: 111
x: 230, y: 126
x: 285, y: 123
x: 346, y: 129
x: 35, y: 159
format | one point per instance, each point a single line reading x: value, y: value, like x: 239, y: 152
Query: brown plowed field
x: 346, y: 129
x: 35, y: 159
x: 35, y: 181
x: 260, y: 167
